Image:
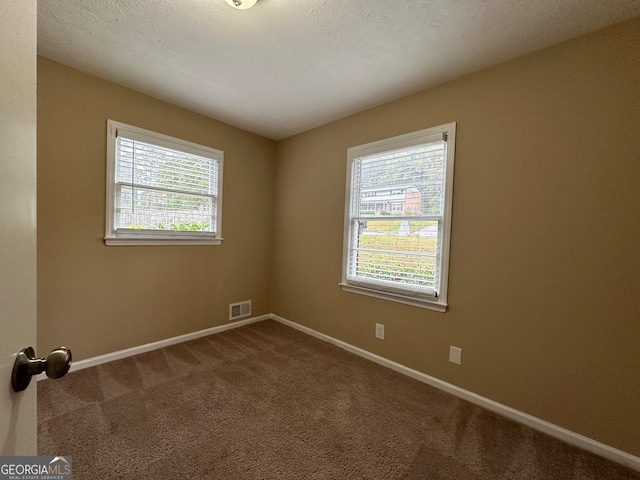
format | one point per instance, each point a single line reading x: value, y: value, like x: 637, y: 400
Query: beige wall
x: 98, y: 299
x: 545, y: 255
x: 544, y: 258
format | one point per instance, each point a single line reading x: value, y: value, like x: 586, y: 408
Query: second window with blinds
x: 398, y: 218
x: 161, y: 190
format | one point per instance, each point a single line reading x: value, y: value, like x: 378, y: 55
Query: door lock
x: 56, y: 365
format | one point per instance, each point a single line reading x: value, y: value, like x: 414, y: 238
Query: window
x: 161, y: 190
x: 368, y: 207
x: 402, y: 256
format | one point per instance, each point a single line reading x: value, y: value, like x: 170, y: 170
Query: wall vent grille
x: 239, y: 310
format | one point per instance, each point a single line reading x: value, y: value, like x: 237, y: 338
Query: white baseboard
x: 110, y: 357
x: 563, y: 434
x: 543, y: 426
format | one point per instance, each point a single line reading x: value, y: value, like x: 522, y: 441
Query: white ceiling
x: 285, y: 66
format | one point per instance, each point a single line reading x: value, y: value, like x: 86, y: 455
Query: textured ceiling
x: 286, y: 66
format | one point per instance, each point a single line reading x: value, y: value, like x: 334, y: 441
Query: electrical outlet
x: 380, y: 331
x: 455, y: 355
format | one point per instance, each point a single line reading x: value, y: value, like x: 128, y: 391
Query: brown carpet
x: 268, y: 402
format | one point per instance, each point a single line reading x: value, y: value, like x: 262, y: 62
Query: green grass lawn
x: 392, y: 257
x: 393, y: 226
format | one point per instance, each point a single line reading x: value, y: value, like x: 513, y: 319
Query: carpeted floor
x: 268, y: 402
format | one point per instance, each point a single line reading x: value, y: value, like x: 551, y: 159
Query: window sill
x: 156, y: 240
x: 394, y: 297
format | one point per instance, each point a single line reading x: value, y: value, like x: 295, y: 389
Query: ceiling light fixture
x: 241, y: 4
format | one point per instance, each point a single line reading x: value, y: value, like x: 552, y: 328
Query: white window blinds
x: 161, y: 186
x: 398, y: 215
x: 163, y: 189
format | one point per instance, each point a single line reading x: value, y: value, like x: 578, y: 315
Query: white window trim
x: 437, y: 303
x: 124, y: 237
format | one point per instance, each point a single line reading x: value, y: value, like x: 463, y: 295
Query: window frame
x: 439, y: 301
x: 123, y: 236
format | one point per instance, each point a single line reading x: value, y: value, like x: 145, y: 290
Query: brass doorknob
x: 56, y: 365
